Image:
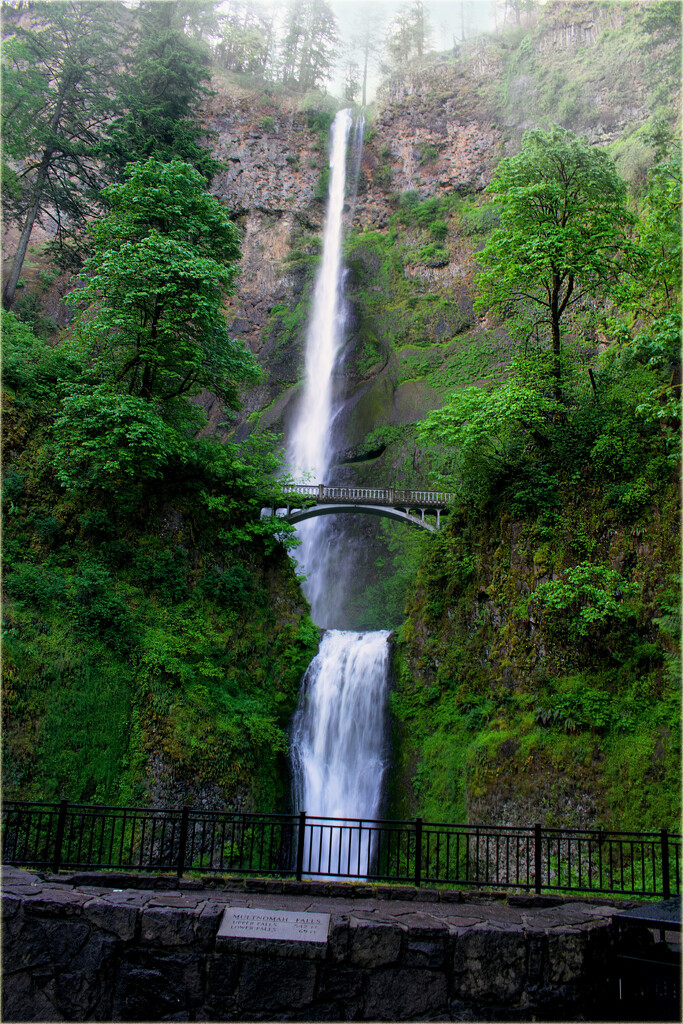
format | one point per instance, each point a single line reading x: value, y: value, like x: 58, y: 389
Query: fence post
x: 538, y: 861
x: 418, y: 851
x: 59, y: 838
x: 182, y: 842
x: 300, y: 846
x: 666, y: 884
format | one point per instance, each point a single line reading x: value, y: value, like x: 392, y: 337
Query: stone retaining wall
x: 111, y: 950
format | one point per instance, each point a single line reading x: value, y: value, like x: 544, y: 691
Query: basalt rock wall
x: 74, y: 951
x: 436, y: 130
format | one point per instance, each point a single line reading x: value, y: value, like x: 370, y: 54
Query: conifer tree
x: 161, y: 88
x: 57, y: 82
x: 409, y: 34
x: 310, y: 44
x: 248, y: 38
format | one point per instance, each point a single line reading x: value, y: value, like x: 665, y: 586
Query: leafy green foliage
x: 483, y: 434
x: 587, y: 603
x: 658, y: 284
x: 150, y: 615
x: 432, y: 255
x: 153, y: 323
x: 562, y: 235
x: 29, y: 309
x: 538, y: 610
x: 103, y: 438
x: 28, y: 364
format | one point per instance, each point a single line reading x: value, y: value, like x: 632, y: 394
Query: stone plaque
x: 283, y: 925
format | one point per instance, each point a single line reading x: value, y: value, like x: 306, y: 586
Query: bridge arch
x: 297, y: 502
x: 300, y: 514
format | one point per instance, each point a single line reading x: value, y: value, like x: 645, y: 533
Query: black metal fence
x: 80, y: 836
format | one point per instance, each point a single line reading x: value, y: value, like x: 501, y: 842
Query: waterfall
x: 338, y: 738
x: 309, y: 445
x: 309, y: 449
x: 338, y: 732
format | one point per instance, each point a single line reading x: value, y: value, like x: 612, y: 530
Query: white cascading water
x: 309, y: 444
x: 309, y: 448
x: 338, y: 745
x: 339, y: 731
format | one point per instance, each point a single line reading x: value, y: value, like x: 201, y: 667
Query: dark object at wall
x: 649, y: 962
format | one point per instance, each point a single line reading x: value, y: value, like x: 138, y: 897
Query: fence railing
x: 371, y: 495
x: 83, y: 836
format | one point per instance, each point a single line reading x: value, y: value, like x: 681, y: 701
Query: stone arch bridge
x: 311, y: 500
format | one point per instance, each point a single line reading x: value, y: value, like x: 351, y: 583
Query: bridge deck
x: 394, y: 497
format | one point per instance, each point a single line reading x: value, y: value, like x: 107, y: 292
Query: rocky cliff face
x: 433, y: 139
x: 272, y: 183
x: 437, y: 132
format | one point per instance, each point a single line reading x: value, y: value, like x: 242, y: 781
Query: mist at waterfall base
x: 339, y: 734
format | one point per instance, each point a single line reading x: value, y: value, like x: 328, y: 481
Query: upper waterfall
x: 309, y: 445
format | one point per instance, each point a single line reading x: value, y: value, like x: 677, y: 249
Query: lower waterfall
x: 339, y: 743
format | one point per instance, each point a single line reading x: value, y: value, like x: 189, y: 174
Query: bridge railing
x: 372, y: 495
x: 85, y: 836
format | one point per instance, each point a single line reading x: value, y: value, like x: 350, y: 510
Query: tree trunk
x: 18, y: 262
x: 556, y: 342
x: 36, y: 196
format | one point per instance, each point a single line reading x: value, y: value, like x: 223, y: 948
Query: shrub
x: 438, y: 229
x: 100, y: 612
x: 322, y: 185
x: 590, y: 604
x: 428, y: 154
x: 433, y: 255
x: 33, y: 584
x: 382, y: 176
x: 102, y: 437
x: 29, y: 310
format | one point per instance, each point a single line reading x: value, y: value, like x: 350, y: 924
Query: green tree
x: 660, y: 232
x: 310, y: 44
x: 409, y: 34
x: 247, y: 38
x: 484, y: 438
x: 563, y: 235
x: 160, y: 90
x: 57, y: 80
x: 150, y: 319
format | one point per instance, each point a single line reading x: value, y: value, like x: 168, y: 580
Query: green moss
x: 152, y: 640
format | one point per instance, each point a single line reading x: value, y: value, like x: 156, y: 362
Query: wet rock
x: 402, y: 994
x: 270, y: 984
x: 118, y: 920
x: 374, y: 942
x: 168, y: 926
